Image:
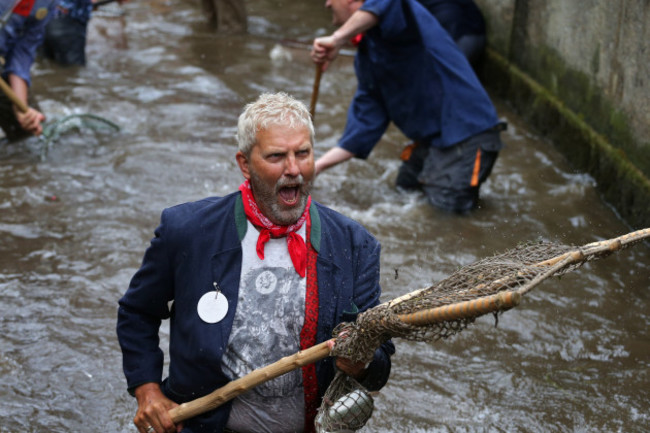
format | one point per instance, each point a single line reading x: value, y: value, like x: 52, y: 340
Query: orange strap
x: 477, y: 169
x: 408, y: 151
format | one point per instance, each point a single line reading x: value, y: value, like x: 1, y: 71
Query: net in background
x: 53, y: 131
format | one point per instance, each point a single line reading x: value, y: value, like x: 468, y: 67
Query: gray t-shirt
x: 269, y: 317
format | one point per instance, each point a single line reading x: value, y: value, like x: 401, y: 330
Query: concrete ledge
x: 619, y: 181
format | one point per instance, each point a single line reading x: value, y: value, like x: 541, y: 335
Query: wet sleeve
x: 141, y: 311
x: 366, y: 123
x: 23, y: 53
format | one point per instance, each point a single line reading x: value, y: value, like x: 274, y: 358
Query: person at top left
x: 23, y: 27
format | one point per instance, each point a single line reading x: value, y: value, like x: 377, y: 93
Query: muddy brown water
x: 573, y: 357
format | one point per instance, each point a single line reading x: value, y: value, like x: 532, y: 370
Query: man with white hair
x: 254, y: 276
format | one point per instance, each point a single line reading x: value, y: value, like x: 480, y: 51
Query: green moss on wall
x: 578, y: 93
x: 621, y: 182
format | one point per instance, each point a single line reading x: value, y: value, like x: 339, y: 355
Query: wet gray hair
x: 268, y: 110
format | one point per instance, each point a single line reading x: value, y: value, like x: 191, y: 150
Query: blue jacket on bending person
x: 410, y: 72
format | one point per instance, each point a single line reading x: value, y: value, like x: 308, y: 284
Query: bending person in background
x: 254, y: 276
x: 23, y: 26
x: 410, y: 72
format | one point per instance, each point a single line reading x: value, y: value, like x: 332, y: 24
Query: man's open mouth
x: 289, y: 194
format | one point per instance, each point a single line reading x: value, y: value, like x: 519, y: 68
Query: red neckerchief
x: 295, y: 243
x: 356, y: 40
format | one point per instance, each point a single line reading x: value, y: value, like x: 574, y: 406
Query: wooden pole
x: 237, y: 387
x: 251, y: 380
x: 13, y: 97
x: 461, y: 310
x: 314, y: 93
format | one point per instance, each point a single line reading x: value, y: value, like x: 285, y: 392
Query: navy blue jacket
x: 411, y: 72
x: 199, y: 243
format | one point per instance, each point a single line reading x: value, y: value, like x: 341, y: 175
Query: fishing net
x: 491, y: 285
x: 53, y: 131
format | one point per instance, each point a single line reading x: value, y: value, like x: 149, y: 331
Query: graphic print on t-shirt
x: 267, y: 326
x: 269, y: 316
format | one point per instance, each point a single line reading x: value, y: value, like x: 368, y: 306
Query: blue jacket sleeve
x: 141, y: 310
x: 366, y: 123
x: 368, y: 116
x: 21, y: 56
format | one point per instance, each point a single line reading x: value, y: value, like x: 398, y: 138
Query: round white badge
x: 212, y: 307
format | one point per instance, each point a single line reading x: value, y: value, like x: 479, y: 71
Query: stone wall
x: 580, y: 72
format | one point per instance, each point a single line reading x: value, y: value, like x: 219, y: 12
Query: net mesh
x: 507, y: 271
x: 490, y: 285
x: 77, y: 122
x: 53, y: 131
